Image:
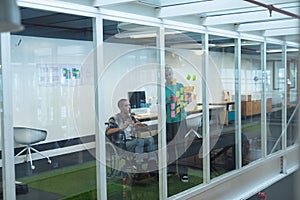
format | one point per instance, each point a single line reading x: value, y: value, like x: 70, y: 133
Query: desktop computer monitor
x: 137, y: 99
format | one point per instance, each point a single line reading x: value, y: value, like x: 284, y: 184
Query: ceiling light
x: 187, y: 46
x: 279, y: 50
x: 143, y: 34
x: 9, y: 16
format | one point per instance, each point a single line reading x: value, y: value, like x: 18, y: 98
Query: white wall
x: 66, y: 109
x: 134, y: 67
x: 59, y: 106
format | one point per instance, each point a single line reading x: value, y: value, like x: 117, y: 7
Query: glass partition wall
x: 222, y: 88
x: 53, y: 87
x: 251, y: 96
x: 183, y: 97
x: 275, y: 94
x: 131, y: 109
x: 53, y: 105
x: 292, y: 94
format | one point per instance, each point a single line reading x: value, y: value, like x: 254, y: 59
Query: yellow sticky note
x: 178, y: 101
x: 177, y: 93
x: 177, y: 110
x: 192, y: 88
x: 186, y: 88
x: 195, y: 96
x: 186, y: 98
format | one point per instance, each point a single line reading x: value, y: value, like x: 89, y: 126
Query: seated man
x: 123, y: 121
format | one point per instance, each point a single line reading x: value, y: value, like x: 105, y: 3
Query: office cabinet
x: 250, y: 108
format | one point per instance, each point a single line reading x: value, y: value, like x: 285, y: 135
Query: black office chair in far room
x: 29, y: 136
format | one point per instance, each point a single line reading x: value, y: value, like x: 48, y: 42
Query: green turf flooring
x: 79, y: 183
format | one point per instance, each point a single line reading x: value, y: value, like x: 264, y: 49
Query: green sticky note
x: 195, y: 108
x: 188, y: 77
x: 194, y: 77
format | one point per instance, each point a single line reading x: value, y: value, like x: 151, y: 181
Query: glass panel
x: 251, y: 94
x: 222, y: 68
x: 292, y: 97
x: 131, y: 66
x: 275, y: 96
x: 183, y: 57
x: 53, y: 105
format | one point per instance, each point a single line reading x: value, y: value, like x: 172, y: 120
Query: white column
x: 7, y: 135
x: 99, y: 120
x: 205, y: 105
x: 162, y: 139
x: 237, y: 105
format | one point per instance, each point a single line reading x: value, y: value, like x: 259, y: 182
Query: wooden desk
x: 224, y: 116
x: 153, y: 116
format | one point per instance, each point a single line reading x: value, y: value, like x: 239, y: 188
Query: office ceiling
x: 273, y: 18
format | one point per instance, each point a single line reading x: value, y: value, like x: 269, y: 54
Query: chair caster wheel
x: 32, y: 167
x: 49, y: 161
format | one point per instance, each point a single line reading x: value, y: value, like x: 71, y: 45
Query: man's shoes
x: 184, y: 179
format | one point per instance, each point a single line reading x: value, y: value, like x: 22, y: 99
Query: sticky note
x: 194, y: 77
x: 192, y: 88
x: 181, y: 90
x: 177, y: 93
x: 173, y: 114
x: 181, y: 97
x: 188, y: 77
x: 177, y: 110
x: 186, y: 97
x: 195, y: 96
x: 172, y: 106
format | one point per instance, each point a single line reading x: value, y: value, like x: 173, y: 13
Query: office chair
x: 28, y: 137
x: 194, y: 122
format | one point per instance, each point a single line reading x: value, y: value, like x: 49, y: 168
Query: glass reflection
x: 275, y: 96
x: 183, y: 57
x: 52, y: 91
x: 292, y: 97
x: 131, y: 110
x: 221, y: 51
x: 251, y: 96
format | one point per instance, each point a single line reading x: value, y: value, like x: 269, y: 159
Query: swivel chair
x: 194, y: 123
x: 28, y: 137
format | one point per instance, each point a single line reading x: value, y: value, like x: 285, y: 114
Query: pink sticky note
x: 172, y: 106
x: 172, y: 114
